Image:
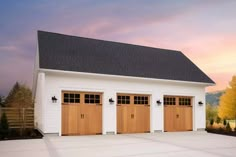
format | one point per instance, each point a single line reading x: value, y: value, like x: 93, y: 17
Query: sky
x: 204, y: 30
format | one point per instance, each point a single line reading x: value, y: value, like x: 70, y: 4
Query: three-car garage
x: 85, y: 86
x: 82, y: 113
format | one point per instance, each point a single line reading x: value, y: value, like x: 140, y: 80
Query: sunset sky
x: 204, y: 30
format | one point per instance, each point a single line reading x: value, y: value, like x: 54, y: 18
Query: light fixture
x: 158, y: 102
x: 54, y: 99
x: 200, y: 103
x: 111, y: 100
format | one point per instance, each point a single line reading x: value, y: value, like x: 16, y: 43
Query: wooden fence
x: 19, y: 117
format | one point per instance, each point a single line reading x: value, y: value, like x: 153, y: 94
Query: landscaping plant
x: 4, y: 126
x: 218, y: 119
x: 228, y: 128
x: 212, y: 122
x: 224, y: 122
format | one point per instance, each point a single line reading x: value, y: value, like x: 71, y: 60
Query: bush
x: 211, y: 112
x: 4, y: 126
x: 221, y: 129
x: 228, y: 128
x: 224, y: 122
x: 212, y: 122
x: 218, y: 119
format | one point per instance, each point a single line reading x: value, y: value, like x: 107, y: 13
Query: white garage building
x: 88, y: 86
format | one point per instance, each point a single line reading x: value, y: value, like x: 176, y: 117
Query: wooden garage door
x: 133, y: 113
x: 81, y: 113
x: 177, y: 113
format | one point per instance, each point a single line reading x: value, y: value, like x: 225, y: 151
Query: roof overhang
x: 124, y: 77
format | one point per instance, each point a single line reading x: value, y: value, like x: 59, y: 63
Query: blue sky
x: 203, y: 30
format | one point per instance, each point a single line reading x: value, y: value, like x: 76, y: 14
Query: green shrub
x: 218, y: 119
x: 228, y: 128
x: 224, y: 122
x: 4, y: 126
x: 212, y: 122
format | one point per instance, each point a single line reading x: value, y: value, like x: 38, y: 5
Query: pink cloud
x: 222, y: 80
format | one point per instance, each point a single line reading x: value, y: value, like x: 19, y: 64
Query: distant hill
x: 213, y: 97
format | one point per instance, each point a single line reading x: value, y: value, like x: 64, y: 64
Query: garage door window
x: 71, y: 98
x: 92, y: 99
x: 169, y: 100
x: 123, y: 99
x: 141, y: 100
x: 185, y: 101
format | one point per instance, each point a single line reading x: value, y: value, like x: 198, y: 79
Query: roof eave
x: 127, y: 77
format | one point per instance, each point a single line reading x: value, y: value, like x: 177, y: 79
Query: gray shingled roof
x: 79, y: 54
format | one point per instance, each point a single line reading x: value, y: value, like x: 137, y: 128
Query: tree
x: 224, y: 122
x: 20, y: 96
x: 2, y: 103
x: 227, y: 107
x: 218, y: 119
x: 11, y: 94
x: 4, y: 126
x: 228, y: 128
x: 211, y: 112
x: 212, y: 122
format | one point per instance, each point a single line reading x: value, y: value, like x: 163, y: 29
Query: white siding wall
x: 39, y: 101
x: 56, y: 82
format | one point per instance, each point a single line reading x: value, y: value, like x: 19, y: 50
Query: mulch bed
x: 221, y: 131
x: 15, y: 134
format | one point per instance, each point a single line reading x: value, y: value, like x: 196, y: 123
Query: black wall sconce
x: 111, y: 100
x: 158, y: 102
x: 200, y: 103
x: 54, y: 99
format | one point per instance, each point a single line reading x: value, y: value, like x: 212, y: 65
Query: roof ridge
x: 117, y: 42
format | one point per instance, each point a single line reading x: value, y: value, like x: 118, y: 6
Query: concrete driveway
x: 181, y: 144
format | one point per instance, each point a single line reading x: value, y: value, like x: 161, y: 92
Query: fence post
x: 23, y: 118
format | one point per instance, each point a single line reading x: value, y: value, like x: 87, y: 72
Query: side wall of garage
x: 56, y: 82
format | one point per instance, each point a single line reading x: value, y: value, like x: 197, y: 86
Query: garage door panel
x: 65, y: 114
x: 177, y: 113
x: 147, y: 118
x: 125, y: 124
x: 189, y: 119
x: 99, y: 119
x: 180, y: 119
x: 89, y: 118
x: 142, y: 118
x: 74, y: 111
x: 131, y: 116
x: 81, y: 116
x: 131, y: 119
x: 124, y: 115
x: 169, y: 115
x: 119, y: 119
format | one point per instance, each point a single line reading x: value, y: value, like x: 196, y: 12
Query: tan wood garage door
x: 81, y: 113
x: 177, y: 113
x: 133, y: 113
